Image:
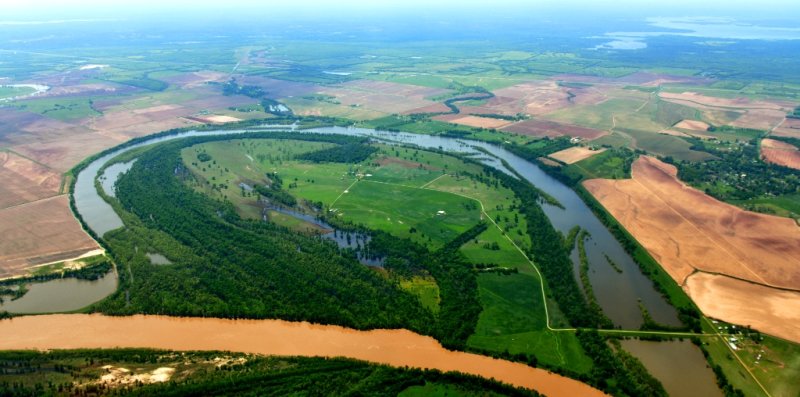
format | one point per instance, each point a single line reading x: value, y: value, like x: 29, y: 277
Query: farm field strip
x: 693, y: 231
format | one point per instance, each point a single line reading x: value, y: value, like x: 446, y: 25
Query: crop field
x: 755, y: 114
x: 600, y: 116
x: 474, y: 121
x: 59, y: 108
x: 780, y: 153
x: 40, y: 232
x: 575, y: 154
x: 766, y: 309
x: 654, y: 204
x: 537, y: 98
x: 25, y: 181
x: 694, y: 125
x: 790, y: 128
x: 11, y: 92
x: 542, y: 128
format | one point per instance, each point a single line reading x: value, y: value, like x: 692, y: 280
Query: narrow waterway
x: 399, y: 348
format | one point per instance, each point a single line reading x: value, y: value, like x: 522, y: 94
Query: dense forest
x: 349, y: 153
x: 77, y: 372
x: 460, y: 304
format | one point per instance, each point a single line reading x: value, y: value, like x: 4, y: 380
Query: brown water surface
x: 679, y: 365
x: 272, y: 337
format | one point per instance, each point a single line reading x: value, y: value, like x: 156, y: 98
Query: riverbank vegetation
x: 138, y: 372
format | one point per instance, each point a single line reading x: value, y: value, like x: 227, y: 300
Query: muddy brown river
x: 272, y: 337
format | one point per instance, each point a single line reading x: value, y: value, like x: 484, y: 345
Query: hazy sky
x: 71, y: 8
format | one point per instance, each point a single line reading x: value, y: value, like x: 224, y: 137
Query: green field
x: 60, y: 108
x: 387, y: 197
x: 11, y: 92
x: 513, y: 321
x: 424, y: 288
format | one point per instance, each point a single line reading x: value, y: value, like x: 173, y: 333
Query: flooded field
x: 62, y: 295
x: 273, y: 337
x: 679, y: 365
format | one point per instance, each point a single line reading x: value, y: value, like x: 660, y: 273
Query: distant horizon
x: 27, y: 10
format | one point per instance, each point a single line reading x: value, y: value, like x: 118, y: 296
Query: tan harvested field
x: 157, y: 109
x: 62, y: 149
x: 780, y: 153
x: 542, y: 128
x: 770, y: 310
x: 756, y: 114
x: 474, y: 121
x: 760, y: 119
x: 44, y: 148
x: 790, y: 128
x: 437, y: 107
x: 40, y: 232
x: 575, y: 154
x: 694, y: 125
x: 23, y: 181
x: 305, y: 107
x: 215, y: 119
x: 195, y: 79
x: 705, y: 245
x: 718, y: 102
x: 536, y: 98
x: 687, y: 230
x: 674, y: 133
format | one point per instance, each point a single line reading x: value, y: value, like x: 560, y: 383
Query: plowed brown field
x: 40, y: 232
x: 574, y: 154
x: 780, y: 153
x: 771, y: 310
x: 24, y: 180
x: 685, y: 229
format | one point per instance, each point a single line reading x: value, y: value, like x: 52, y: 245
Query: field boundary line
x: 344, y: 191
x: 695, y: 227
